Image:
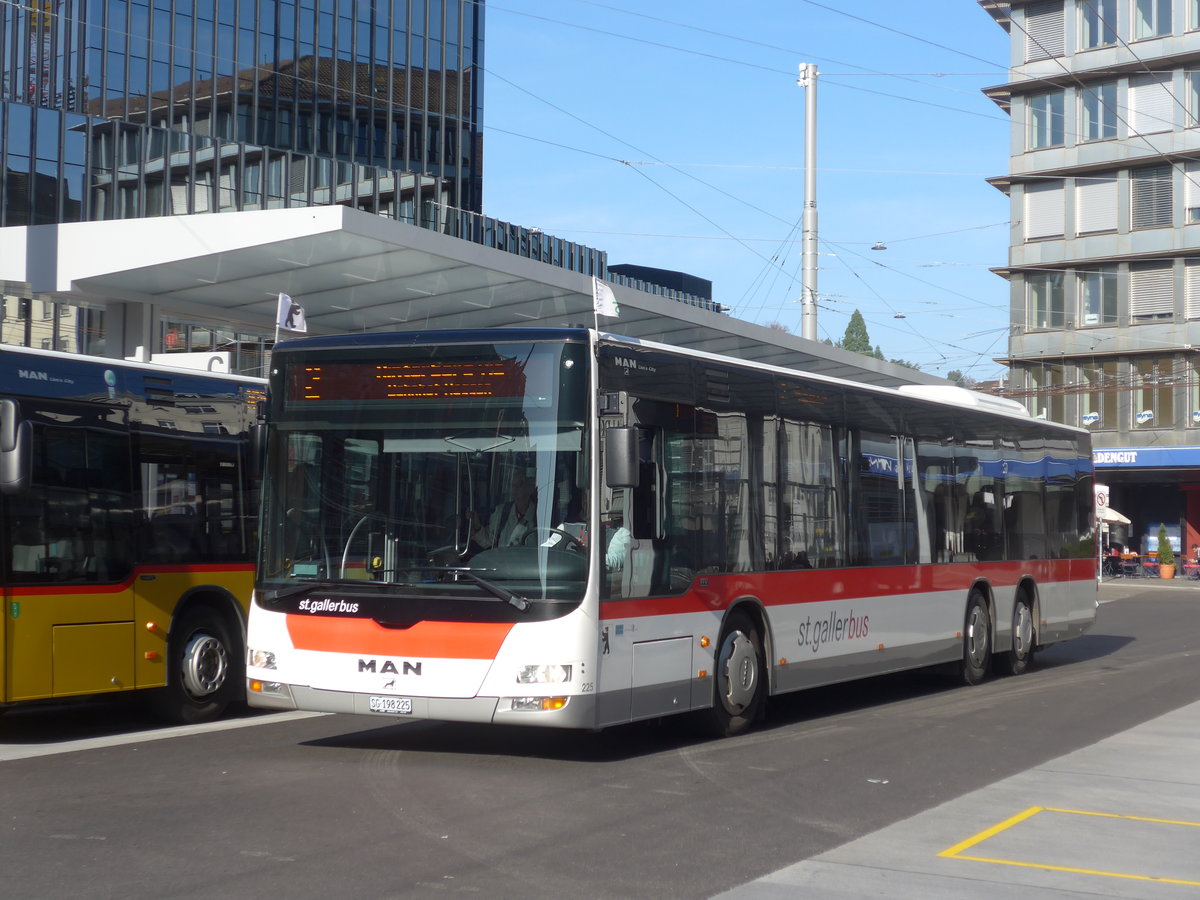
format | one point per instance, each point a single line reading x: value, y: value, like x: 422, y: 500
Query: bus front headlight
x: 544, y: 674
x: 261, y: 659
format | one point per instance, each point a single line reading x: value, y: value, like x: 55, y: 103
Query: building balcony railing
x: 535, y: 244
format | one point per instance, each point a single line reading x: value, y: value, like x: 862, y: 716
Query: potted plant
x: 1166, y: 556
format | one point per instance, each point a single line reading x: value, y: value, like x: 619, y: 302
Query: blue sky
x: 671, y: 134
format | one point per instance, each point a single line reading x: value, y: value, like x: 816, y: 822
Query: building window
x: 1191, y: 194
x: 1193, y: 14
x: 1098, y: 399
x: 1098, y: 21
x: 1044, y: 33
x: 246, y: 350
x: 1192, y: 96
x: 32, y: 321
x: 1047, y: 393
x: 1047, y: 308
x: 1191, y: 289
x: 1098, y: 296
x: 1099, y: 112
x: 1095, y: 204
x: 1046, y: 120
x: 1151, y: 18
x: 1044, y: 212
x: 1153, y: 392
x: 1193, y: 417
x: 1151, y: 292
x: 1151, y: 103
x: 1150, y: 196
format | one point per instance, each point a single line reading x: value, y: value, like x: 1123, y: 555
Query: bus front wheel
x: 738, y: 673
x: 203, y: 668
x: 977, y: 640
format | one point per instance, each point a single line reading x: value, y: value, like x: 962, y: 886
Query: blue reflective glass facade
x: 131, y: 108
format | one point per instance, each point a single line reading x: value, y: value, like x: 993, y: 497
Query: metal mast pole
x: 808, y: 320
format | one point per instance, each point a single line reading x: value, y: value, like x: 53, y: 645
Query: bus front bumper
x: 576, y: 712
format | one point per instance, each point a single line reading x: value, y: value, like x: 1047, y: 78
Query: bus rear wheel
x: 738, y: 676
x: 977, y: 640
x: 1016, y: 660
x: 203, y: 668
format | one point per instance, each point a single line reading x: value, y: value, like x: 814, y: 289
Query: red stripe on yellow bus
x: 715, y: 592
x: 197, y: 567
x: 442, y: 640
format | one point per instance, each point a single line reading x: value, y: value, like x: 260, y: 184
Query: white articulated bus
x: 567, y: 528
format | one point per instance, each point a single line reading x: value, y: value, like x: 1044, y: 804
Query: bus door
x: 68, y: 606
x: 194, y: 537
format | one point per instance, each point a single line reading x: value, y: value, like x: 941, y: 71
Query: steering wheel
x: 572, y: 542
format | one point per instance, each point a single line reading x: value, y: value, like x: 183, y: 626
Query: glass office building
x: 134, y: 108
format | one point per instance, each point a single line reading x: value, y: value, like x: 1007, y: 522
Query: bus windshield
x: 449, y: 473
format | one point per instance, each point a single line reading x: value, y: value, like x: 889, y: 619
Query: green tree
x: 1166, y: 553
x: 856, y: 338
x: 960, y: 379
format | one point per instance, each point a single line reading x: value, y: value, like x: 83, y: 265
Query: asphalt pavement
x: 1120, y: 818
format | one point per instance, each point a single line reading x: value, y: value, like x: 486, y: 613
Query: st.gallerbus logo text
x: 834, y: 628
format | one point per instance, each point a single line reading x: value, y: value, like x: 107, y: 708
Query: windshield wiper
x: 491, y: 587
x: 496, y: 590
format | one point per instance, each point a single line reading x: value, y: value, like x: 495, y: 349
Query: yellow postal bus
x: 127, y: 530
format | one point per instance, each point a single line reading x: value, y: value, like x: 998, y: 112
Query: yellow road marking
x: 956, y: 852
x: 991, y: 832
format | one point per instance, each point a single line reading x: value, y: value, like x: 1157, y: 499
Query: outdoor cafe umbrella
x: 1110, y: 516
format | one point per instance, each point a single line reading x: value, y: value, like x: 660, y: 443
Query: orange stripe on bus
x: 444, y: 640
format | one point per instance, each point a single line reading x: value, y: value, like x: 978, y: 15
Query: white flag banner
x: 290, y: 316
x: 604, y: 301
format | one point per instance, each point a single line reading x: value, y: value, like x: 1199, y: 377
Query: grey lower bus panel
x: 580, y: 711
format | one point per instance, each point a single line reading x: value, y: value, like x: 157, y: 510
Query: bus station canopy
x: 352, y: 271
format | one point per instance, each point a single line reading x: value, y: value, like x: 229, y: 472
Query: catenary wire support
x: 808, y: 315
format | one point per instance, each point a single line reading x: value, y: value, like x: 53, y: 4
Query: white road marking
x: 27, y: 751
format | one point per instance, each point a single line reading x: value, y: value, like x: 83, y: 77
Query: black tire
x: 739, y: 678
x: 977, y: 640
x: 1016, y: 660
x: 204, y: 668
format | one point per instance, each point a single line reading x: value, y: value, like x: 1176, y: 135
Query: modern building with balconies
x: 1104, y: 257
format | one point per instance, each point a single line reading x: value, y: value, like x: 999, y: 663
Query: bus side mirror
x: 15, y: 452
x: 621, y: 457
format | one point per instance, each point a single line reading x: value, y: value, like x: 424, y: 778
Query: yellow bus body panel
x: 71, y: 641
